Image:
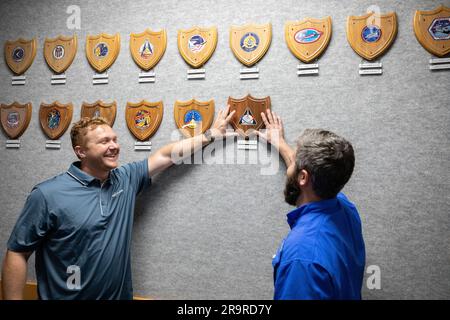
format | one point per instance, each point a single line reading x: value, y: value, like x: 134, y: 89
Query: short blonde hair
x: 81, y: 128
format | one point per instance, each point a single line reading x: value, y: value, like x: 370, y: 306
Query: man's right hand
x: 274, y: 134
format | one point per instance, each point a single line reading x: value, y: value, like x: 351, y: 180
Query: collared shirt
x: 80, y: 229
x: 323, y: 256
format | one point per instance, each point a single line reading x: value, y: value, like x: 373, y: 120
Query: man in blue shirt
x: 323, y: 256
x: 79, y: 223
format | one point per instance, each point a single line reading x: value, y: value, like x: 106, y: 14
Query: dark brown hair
x: 328, y: 158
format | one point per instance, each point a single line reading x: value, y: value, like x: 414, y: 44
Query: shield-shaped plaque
x: 432, y: 29
x: 193, y: 117
x: 100, y: 109
x: 250, y: 42
x: 148, y: 47
x: 15, y: 118
x: 372, y: 34
x: 196, y: 45
x: 102, y: 50
x: 19, y: 54
x: 247, y: 117
x: 60, y: 52
x: 144, y: 118
x: 55, y: 118
x: 307, y: 39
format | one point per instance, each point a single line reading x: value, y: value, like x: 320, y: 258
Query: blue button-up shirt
x: 80, y: 229
x: 323, y: 256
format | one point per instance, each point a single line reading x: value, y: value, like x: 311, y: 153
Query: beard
x: 291, y: 190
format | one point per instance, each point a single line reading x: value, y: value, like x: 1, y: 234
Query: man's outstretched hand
x: 220, y: 125
x: 274, y: 134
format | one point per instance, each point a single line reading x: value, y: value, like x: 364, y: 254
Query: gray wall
x: 192, y: 238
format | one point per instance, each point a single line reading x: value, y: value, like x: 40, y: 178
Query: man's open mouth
x: 112, y: 156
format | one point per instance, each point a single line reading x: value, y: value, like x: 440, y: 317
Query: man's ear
x: 303, y: 178
x: 80, y: 152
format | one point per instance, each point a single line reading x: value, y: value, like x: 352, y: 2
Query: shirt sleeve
x: 33, y: 225
x: 303, y: 280
x: 138, y: 174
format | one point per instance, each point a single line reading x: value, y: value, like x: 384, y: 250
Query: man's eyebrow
x: 107, y: 138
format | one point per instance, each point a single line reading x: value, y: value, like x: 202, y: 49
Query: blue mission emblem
x: 440, y: 29
x: 371, y: 33
x: 101, y: 50
x: 249, y: 42
x: 308, y: 35
x: 196, y: 43
x: 191, y: 118
x: 18, y: 54
x: 53, y: 119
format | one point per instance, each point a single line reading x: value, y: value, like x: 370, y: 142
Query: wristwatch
x: 208, y: 135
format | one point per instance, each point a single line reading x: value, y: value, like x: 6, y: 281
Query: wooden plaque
x: 143, y: 118
x: 55, y: 118
x: 248, y: 113
x: 19, y: 54
x: 100, y: 109
x: 307, y: 39
x: 432, y: 29
x: 60, y: 52
x: 196, y: 45
x: 193, y: 117
x: 148, y: 47
x: 102, y: 50
x: 372, y: 34
x: 15, y: 118
x: 250, y: 42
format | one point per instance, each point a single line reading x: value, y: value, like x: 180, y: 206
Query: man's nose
x: 114, y: 145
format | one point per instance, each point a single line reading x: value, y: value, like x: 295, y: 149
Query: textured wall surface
x: 209, y: 231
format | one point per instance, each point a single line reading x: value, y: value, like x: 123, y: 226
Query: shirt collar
x: 317, y: 206
x: 81, y: 176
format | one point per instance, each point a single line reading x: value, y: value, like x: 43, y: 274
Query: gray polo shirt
x: 81, y: 232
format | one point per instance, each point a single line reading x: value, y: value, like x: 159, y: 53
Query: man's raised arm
x: 163, y: 158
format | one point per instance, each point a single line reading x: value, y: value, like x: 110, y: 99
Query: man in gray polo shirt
x: 79, y: 223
